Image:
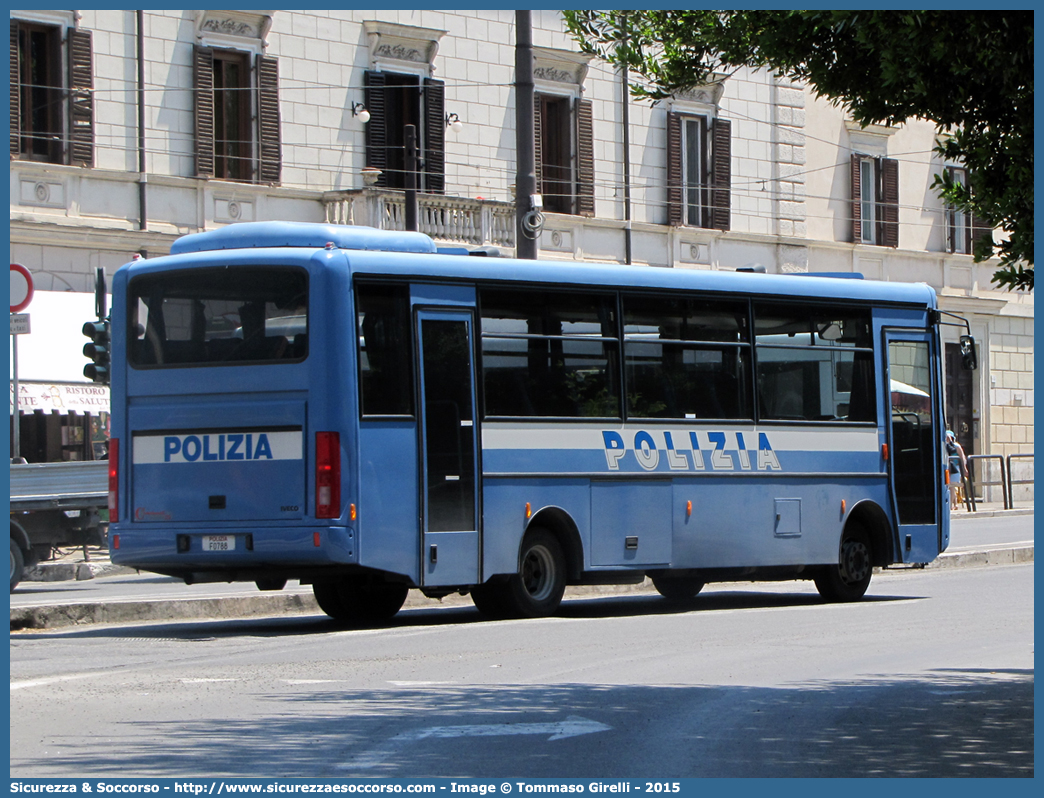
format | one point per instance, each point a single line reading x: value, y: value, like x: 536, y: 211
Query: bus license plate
x: 219, y: 542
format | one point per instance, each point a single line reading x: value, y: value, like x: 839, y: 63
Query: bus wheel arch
x: 874, y: 521
x: 560, y: 524
x: 549, y: 555
x: 862, y: 545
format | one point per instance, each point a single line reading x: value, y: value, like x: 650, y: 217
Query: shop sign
x: 62, y: 397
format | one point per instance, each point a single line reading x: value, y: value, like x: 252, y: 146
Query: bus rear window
x: 233, y: 315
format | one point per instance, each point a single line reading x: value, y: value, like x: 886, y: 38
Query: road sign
x: 19, y: 324
x: 21, y: 287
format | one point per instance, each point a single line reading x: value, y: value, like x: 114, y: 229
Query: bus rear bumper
x: 244, y: 549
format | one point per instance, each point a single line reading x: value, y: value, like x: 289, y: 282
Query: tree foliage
x: 969, y: 72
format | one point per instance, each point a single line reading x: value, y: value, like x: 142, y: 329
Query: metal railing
x: 972, y: 481
x: 1012, y: 482
x: 450, y: 219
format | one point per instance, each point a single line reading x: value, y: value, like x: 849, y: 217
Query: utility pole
x: 525, y: 153
x: 625, y: 91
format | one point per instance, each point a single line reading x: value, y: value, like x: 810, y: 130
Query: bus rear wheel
x: 677, y: 588
x: 536, y: 590
x: 849, y: 579
x: 356, y: 602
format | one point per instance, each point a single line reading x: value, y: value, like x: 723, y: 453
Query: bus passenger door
x: 449, y: 440
x: 916, y: 481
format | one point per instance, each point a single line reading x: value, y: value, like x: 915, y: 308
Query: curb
x: 1001, y: 556
x: 68, y: 571
x: 62, y: 615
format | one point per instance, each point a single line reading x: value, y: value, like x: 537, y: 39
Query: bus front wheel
x: 360, y: 603
x: 536, y: 590
x: 849, y: 579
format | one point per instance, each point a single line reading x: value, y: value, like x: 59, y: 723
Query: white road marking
x: 21, y: 685
x: 572, y: 726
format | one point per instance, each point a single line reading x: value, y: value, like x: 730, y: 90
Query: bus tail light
x: 114, y: 480
x: 327, y: 475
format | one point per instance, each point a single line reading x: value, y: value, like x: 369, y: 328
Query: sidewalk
x: 73, y: 566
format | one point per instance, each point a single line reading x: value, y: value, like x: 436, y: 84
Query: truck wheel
x: 17, y: 564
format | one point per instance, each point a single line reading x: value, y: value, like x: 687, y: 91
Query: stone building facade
x: 162, y: 123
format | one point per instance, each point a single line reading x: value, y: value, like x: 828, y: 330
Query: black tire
x: 379, y: 603
x: 17, y: 564
x: 356, y: 602
x: 677, y: 588
x: 328, y: 597
x: 537, y: 589
x: 489, y: 599
x: 849, y: 579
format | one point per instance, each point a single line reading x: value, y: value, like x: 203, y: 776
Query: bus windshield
x: 232, y: 315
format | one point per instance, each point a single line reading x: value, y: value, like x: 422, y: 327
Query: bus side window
x: 687, y: 357
x: 814, y: 363
x: 385, y: 351
x: 550, y: 354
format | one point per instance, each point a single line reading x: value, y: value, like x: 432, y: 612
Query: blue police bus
x: 365, y: 413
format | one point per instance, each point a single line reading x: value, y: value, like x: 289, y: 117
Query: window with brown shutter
x: 699, y: 171
x: 37, y: 92
x: 562, y: 127
x: 555, y: 153
x: 960, y: 235
x: 233, y: 139
x: 230, y: 144
x: 395, y: 100
x: 875, y: 200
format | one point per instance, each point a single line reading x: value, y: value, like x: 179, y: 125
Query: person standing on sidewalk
x: 958, y: 466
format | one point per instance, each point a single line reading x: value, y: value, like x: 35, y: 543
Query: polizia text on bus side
x: 363, y: 412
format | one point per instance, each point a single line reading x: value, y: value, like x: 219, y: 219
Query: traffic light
x: 97, y: 350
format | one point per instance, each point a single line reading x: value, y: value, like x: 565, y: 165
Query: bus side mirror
x: 971, y: 362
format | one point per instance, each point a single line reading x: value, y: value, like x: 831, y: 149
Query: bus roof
x: 263, y: 235
x: 618, y: 276
x: 374, y: 252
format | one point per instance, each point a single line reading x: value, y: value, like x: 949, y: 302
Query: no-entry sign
x: 21, y: 287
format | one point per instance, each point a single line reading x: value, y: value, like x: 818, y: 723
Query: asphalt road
x: 931, y: 675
